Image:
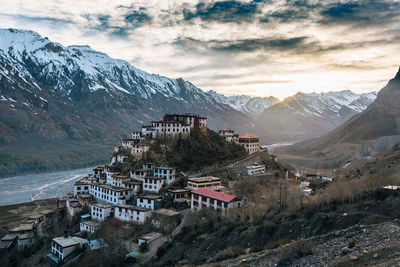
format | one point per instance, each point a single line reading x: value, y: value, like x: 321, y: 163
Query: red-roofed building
x: 207, y: 198
x: 250, y: 142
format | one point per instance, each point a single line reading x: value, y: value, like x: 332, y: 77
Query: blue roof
x: 86, y: 216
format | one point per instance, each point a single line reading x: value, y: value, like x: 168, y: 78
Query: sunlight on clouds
x: 233, y: 47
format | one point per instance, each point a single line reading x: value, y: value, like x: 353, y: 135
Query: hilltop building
x: 250, y: 142
x: 230, y: 136
x: 209, y: 182
x: 255, y: 169
x: 101, y: 212
x: 66, y: 246
x: 130, y: 213
x: 207, y: 198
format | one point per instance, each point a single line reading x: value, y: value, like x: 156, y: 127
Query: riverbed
x: 26, y: 188
x: 274, y: 146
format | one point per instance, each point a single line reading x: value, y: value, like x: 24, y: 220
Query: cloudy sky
x: 271, y: 47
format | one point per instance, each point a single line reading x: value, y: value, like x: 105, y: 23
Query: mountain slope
x: 53, y: 98
x: 252, y: 106
x: 303, y: 116
x: 373, y: 131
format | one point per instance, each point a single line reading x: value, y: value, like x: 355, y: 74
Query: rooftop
x: 81, y: 181
x: 101, y: 205
x: 69, y: 241
x: 166, y: 212
x: 9, y: 237
x: 150, y: 196
x: 214, y: 194
x: 178, y: 190
x: 150, y: 236
x: 153, y: 178
x: 164, y: 168
x: 28, y: 235
x: 248, y: 136
x: 130, y: 207
x: 112, y: 188
x: 204, y: 179
x: 91, y: 223
x: 21, y: 228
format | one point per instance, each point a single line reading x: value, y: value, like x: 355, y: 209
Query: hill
x: 201, y: 149
x: 371, y: 132
x: 304, y: 116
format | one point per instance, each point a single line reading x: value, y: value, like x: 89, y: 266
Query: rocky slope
x: 373, y: 131
x: 304, y: 116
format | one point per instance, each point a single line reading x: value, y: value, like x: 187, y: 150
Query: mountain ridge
x: 368, y: 133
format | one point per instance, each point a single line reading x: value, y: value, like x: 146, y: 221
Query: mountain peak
x: 397, y: 77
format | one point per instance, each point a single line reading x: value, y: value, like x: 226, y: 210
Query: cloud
x: 223, y: 11
x: 127, y: 19
x: 36, y: 19
x: 363, y: 13
x: 229, y: 45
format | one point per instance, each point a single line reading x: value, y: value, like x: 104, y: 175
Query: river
x: 26, y: 188
x: 273, y: 146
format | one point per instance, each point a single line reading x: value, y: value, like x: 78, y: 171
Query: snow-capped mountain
x: 52, y: 95
x: 65, y: 104
x: 328, y: 104
x: 306, y: 115
x: 253, y: 106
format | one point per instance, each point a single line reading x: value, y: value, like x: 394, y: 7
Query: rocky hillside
x: 61, y: 105
x: 373, y: 131
x: 304, y: 116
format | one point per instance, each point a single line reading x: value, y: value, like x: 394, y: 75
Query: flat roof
x: 81, y: 181
x: 9, y: 237
x: 204, y: 179
x: 167, y: 212
x: 118, y: 189
x: 214, y: 194
x: 102, y: 205
x: 150, y: 236
x: 164, y: 167
x: 179, y: 190
x: 25, y: 227
x: 120, y: 177
x: 28, y: 235
x: 153, y: 178
x: 130, y: 207
x: 69, y: 241
x: 141, y: 170
x: 150, y: 196
x: 248, y: 136
x: 91, y: 223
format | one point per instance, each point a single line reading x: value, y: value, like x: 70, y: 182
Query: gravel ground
x: 374, y: 245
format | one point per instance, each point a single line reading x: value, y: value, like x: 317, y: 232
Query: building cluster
x: 24, y: 235
x: 139, y: 195
x: 172, y: 126
x: 249, y: 142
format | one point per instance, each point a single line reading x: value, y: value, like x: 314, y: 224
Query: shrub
x: 276, y: 244
x: 144, y: 247
x: 295, y: 250
x: 228, y: 254
x: 351, y: 243
x: 160, y: 251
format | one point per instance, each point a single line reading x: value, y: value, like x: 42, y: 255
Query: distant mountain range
x: 368, y: 133
x: 304, y: 116
x: 252, y: 106
x: 67, y: 106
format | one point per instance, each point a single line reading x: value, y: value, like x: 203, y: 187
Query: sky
x: 258, y: 48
